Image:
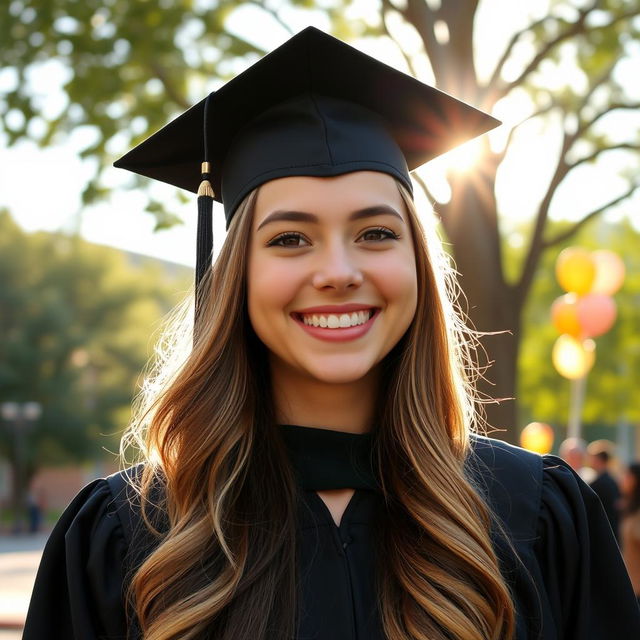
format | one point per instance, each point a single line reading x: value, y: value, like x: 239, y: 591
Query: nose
x: 337, y: 269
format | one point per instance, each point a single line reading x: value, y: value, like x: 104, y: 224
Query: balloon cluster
x: 587, y: 310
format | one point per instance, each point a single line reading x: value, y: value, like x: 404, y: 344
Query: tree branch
x: 387, y: 7
x: 576, y: 28
x: 497, y: 71
x: 521, y: 288
x: 565, y: 235
x: 540, y: 112
x: 600, y: 80
x: 611, y: 107
x: 419, y: 14
x: 420, y: 8
x: 592, y: 156
x: 273, y: 13
x: 161, y: 73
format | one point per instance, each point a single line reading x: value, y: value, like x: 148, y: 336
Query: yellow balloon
x: 610, y: 272
x: 538, y: 437
x: 573, y: 358
x: 575, y: 270
x: 564, y: 314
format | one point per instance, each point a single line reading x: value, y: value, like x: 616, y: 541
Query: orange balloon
x: 564, y: 314
x: 573, y: 358
x: 596, y: 314
x: 610, y: 271
x: 538, y: 437
x: 575, y: 270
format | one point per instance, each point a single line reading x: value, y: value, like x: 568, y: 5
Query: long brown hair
x: 225, y: 567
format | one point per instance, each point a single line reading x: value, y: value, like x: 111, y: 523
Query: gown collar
x: 327, y: 459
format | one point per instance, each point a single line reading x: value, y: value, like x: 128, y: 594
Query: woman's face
x: 332, y: 276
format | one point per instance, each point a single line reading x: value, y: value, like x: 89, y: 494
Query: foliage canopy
x: 74, y: 335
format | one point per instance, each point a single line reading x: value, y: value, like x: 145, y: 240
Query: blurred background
x: 92, y: 259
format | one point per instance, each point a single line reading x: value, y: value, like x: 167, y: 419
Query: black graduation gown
x: 569, y: 582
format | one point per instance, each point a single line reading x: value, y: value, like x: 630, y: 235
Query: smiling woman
x: 310, y: 466
x: 308, y: 274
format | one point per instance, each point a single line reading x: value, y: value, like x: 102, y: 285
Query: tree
x: 596, y: 35
x: 74, y: 330
x: 133, y: 65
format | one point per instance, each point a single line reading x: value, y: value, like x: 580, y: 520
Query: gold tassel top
x: 205, y: 188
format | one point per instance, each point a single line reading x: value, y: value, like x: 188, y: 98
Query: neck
x: 313, y: 403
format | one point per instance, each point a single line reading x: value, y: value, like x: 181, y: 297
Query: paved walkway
x: 19, y: 559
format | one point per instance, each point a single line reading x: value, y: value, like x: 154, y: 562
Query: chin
x: 339, y: 373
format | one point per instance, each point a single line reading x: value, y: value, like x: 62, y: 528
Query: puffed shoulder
x: 78, y: 591
x: 529, y: 491
x: 567, y: 572
x: 510, y: 478
x: 580, y: 560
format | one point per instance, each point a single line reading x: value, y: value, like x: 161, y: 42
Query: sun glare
x: 462, y: 158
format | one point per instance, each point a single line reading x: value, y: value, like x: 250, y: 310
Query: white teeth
x: 331, y: 321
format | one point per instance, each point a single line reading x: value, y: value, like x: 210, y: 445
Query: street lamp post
x: 21, y: 417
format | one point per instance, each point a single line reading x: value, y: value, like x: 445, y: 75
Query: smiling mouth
x: 336, y: 320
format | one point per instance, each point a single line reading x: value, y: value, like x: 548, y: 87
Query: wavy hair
x: 225, y: 566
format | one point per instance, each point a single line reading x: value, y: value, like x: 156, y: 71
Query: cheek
x: 397, y: 281
x: 271, y: 286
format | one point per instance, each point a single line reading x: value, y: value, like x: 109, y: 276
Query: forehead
x: 331, y: 196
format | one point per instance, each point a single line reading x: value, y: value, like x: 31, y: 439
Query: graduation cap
x: 314, y: 106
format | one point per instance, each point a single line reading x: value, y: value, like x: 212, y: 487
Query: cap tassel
x: 204, y: 234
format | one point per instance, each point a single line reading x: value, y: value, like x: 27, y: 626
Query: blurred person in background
x: 600, y: 453
x: 573, y: 451
x: 35, y: 508
x: 630, y: 526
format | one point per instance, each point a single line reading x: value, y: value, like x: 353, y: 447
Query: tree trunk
x: 470, y: 222
x: 499, y: 383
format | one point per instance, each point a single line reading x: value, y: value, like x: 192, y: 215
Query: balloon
x: 564, y: 314
x: 573, y: 358
x: 609, y: 272
x: 538, y: 437
x: 596, y: 314
x: 575, y: 270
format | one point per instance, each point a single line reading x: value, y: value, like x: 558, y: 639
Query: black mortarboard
x: 314, y: 106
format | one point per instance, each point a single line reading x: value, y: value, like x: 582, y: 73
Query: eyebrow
x: 304, y: 216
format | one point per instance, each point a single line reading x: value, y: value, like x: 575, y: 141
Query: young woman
x: 630, y: 527
x: 310, y: 468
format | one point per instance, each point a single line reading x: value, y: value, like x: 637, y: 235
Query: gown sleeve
x: 78, y: 592
x: 587, y: 587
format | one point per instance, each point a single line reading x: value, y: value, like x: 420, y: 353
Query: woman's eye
x: 288, y: 239
x: 378, y: 234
